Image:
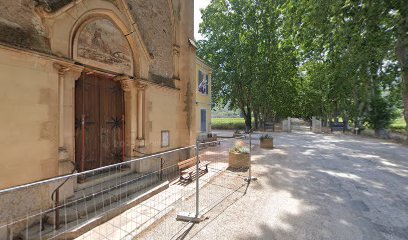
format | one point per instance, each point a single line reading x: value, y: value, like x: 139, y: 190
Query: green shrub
x: 228, y: 123
x: 239, y: 147
x: 266, y: 136
x: 381, y: 114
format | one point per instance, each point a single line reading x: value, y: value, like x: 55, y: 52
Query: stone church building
x: 89, y: 83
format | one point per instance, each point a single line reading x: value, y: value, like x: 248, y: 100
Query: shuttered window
x: 203, y: 121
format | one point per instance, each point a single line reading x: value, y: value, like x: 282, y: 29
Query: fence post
x: 250, y: 178
x: 197, y: 181
x: 194, y: 217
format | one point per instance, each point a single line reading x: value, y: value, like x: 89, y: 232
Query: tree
x: 350, y: 45
x: 399, y: 8
x: 307, y: 58
x: 254, y: 65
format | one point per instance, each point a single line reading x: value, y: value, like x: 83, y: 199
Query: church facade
x: 89, y: 83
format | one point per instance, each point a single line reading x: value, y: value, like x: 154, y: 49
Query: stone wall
x: 28, y: 119
x: 29, y: 83
x: 385, y: 134
x: 21, y: 26
x: 286, y: 125
x: 154, y: 20
x: 316, y: 125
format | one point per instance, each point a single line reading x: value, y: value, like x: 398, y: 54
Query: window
x: 202, y: 83
x: 165, y: 138
x: 203, y: 122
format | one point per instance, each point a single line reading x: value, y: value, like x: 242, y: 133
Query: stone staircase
x: 95, y: 202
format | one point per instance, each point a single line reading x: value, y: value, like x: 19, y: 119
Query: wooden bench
x: 187, y: 167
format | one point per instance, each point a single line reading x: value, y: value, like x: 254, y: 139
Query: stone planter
x: 267, y: 143
x: 239, y: 160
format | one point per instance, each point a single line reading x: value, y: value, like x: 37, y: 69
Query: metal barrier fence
x: 152, y: 197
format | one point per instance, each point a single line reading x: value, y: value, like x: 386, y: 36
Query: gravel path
x: 316, y: 187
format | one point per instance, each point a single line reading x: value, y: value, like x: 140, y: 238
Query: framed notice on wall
x: 165, y: 138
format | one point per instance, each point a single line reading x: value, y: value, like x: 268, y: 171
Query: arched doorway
x: 99, y: 122
x: 99, y: 100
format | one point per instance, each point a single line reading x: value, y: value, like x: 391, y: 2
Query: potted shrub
x: 239, y: 156
x: 266, y: 141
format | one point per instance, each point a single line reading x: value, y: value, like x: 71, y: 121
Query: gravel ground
x: 310, y: 187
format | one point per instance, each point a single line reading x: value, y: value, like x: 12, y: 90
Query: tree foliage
x: 308, y: 57
x: 253, y: 61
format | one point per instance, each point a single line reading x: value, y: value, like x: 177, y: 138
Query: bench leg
x: 181, y: 176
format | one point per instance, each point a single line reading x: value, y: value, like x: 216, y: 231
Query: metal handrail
x: 66, y: 180
x: 56, y: 200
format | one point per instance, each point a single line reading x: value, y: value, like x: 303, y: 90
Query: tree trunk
x: 248, y: 118
x: 345, y: 122
x: 402, y: 57
x: 355, y: 124
x: 256, y: 118
x: 405, y: 99
x: 330, y: 122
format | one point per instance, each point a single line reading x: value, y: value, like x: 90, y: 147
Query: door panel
x: 100, y: 100
x: 111, y: 119
x: 86, y: 98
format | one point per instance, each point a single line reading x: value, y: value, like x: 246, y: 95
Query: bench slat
x: 193, y: 168
x: 187, y: 167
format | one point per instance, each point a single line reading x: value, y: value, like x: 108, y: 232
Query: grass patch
x: 399, y: 125
x: 228, y: 123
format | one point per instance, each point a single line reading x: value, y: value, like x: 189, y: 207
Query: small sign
x: 165, y: 138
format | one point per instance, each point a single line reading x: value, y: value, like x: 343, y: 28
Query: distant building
x: 203, y: 99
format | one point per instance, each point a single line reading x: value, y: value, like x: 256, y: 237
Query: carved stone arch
x: 91, y: 27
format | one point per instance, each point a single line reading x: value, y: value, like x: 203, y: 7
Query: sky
x: 197, y: 16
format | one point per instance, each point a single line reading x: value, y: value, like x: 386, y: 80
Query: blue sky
x: 197, y: 15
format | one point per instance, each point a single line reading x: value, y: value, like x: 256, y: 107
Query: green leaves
x: 279, y: 58
x: 253, y: 58
x: 380, y: 114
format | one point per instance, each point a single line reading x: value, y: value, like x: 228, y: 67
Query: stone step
x: 82, y: 204
x: 117, y: 181
x: 102, y: 177
x: 81, y: 217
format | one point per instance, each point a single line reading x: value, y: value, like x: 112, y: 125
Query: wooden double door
x: 99, y: 122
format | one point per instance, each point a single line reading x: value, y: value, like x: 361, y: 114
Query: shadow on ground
x: 335, y: 187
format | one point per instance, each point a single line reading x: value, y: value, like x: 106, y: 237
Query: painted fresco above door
x: 101, y: 44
